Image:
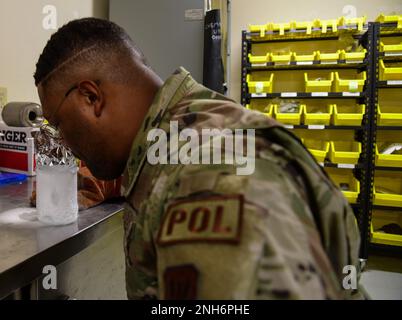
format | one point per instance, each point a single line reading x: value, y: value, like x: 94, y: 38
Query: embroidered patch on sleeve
x: 181, y: 282
x: 211, y: 219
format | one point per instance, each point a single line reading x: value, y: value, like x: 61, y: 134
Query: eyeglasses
x: 56, y: 110
x: 55, y: 126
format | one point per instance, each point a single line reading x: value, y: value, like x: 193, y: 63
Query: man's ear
x: 91, y: 90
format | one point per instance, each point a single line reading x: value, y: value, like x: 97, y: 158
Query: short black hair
x: 77, y: 36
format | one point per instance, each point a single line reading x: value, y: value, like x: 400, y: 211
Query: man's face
x: 80, y: 118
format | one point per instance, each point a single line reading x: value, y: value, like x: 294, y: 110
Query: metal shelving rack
x: 382, y: 30
x: 364, y: 170
x: 369, y: 137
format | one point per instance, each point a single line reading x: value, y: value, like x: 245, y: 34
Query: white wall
x: 246, y: 12
x: 22, y: 38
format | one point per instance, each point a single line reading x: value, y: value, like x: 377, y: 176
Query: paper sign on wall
x: 193, y: 14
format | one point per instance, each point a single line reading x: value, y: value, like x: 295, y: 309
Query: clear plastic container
x: 56, y: 194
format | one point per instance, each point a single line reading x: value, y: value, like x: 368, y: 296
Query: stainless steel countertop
x: 27, y: 245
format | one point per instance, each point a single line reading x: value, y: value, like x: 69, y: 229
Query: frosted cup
x: 56, y: 194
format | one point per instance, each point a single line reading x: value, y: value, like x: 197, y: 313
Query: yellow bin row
x: 391, y: 18
x: 343, y: 152
x: 390, y: 73
x: 287, y: 57
x: 348, y: 115
x: 308, y: 25
x: 380, y: 219
x: 272, y: 110
x: 335, y: 83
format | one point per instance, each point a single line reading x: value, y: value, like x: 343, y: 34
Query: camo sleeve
x: 140, y: 257
x: 229, y: 236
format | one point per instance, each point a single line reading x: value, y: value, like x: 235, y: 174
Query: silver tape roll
x: 22, y: 114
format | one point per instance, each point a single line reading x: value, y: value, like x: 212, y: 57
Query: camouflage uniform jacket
x: 200, y: 231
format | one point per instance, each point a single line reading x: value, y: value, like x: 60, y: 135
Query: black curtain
x: 213, y: 65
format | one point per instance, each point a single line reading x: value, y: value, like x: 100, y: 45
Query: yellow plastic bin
x: 260, y: 86
x: 300, y: 25
x: 389, y: 19
x: 389, y: 116
x: 267, y: 110
x: 280, y: 27
x: 352, y: 57
x: 327, y: 57
x: 303, y: 57
x: 380, y: 219
x: 359, y: 22
x: 318, y: 85
x: 349, y: 85
x: 345, y: 180
x: 387, y: 160
x: 319, y: 149
x: 316, y: 24
x: 318, y: 114
x: 289, y: 118
x: 333, y: 23
x: 261, y: 28
x: 258, y: 59
x: 348, y: 115
x: 392, y: 48
x: 390, y: 73
x: 347, y: 152
x: 388, y: 189
x: 281, y: 58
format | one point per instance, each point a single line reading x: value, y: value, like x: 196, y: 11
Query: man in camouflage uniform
x: 296, y: 231
x: 201, y: 231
